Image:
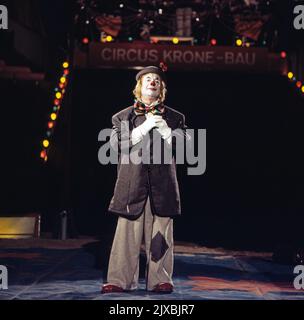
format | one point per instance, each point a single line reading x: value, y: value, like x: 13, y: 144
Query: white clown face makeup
x: 151, y: 85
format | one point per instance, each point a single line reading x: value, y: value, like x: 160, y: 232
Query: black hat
x: 151, y: 69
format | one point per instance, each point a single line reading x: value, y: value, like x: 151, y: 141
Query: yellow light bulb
x: 175, y: 40
x: 53, y: 116
x: 290, y: 75
x: 46, y: 143
x: 58, y: 95
x: 302, y: 89
x: 65, y: 65
x: 63, y: 80
x: 109, y: 38
x: 239, y: 42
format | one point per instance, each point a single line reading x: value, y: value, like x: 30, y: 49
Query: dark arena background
x: 62, y: 79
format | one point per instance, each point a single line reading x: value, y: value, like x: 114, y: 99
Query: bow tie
x: 141, y: 109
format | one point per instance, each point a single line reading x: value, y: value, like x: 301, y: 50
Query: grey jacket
x: 135, y: 182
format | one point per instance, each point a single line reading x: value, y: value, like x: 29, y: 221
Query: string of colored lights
x: 158, y: 17
x: 238, y: 42
x: 292, y: 78
x: 59, y: 93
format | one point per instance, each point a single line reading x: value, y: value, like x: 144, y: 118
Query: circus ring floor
x: 75, y: 270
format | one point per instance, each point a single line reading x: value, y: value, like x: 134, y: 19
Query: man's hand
x: 142, y: 130
x: 163, y: 129
x: 151, y: 122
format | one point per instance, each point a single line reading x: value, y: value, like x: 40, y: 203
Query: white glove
x: 149, y: 124
x: 139, y: 132
x: 164, y: 130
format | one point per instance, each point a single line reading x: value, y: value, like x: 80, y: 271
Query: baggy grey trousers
x: 157, y: 233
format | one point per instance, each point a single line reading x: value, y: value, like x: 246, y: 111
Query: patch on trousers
x: 159, y: 247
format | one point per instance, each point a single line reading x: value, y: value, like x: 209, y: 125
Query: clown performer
x: 146, y: 196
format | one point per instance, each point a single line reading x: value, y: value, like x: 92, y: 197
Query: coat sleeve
x: 120, y: 139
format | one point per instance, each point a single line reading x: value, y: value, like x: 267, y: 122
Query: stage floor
x: 75, y: 269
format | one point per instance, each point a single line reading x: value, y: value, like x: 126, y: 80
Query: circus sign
x: 176, y: 57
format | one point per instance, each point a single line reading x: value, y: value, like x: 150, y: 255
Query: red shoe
x: 163, y: 287
x: 110, y: 288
